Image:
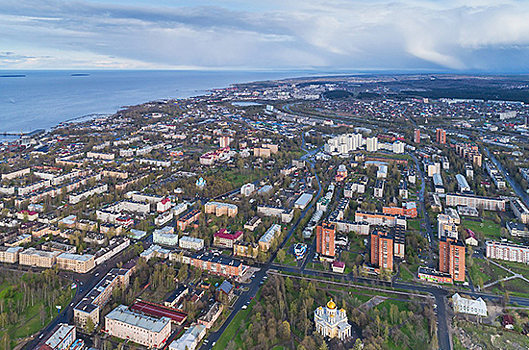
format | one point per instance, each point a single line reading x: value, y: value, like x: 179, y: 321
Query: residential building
x: 187, y: 219
x: 507, y: 251
x: 382, y: 219
x: 145, y: 330
x: 269, y: 236
x: 225, y: 239
x: 379, y: 188
x: 486, y: 203
x: 208, y: 318
x: 417, y: 136
x: 38, y: 258
x: 382, y: 245
x: 440, y: 136
x: 190, y: 339
x: 245, y: 249
x: 90, y: 306
x: 469, y: 306
x: 62, y: 337
x: 331, y: 322
x: 520, y: 210
x: 188, y: 242
x: 220, y: 209
x: 325, y: 236
x: 220, y: 265
x: 452, y: 258
x: 9, y: 255
x: 76, y: 262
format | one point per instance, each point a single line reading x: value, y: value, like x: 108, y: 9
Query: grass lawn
x: 489, y: 228
x: 405, y: 275
x: 290, y: 260
x: 414, y: 224
x: 487, y: 272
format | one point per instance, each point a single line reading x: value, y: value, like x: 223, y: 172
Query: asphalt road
x: 515, y: 186
x: 85, y: 282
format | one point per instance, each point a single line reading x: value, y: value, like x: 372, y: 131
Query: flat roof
x: 124, y: 315
x: 78, y: 257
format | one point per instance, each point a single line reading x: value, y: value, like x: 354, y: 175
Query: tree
x: 281, y: 255
x: 90, y: 326
x: 284, y: 330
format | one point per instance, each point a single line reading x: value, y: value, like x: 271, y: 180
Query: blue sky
x: 457, y: 36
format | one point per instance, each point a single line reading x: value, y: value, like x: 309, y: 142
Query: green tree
x: 281, y: 255
x: 90, y: 326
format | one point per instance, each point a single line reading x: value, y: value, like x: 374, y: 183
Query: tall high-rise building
x: 440, y: 136
x: 382, y: 249
x: 224, y: 141
x: 452, y: 258
x: 372, y: 144
x: 417, y: 136
x: 325, y: 235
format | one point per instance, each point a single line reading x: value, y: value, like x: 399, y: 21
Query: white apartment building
x: 469, y: 306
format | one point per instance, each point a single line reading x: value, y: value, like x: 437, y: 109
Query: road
x: 422, y: 209
x: 85, y: 282
x: 514, y: 185
x: 253, y: 287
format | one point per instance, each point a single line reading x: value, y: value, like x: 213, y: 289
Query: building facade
x: 325, y: 237
x: 452, y: 258
x: 145, y: 330
x: 331, y: 322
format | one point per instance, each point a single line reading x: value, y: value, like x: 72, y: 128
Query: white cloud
x: 339, y: 34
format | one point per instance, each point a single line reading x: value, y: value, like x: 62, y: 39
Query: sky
x: 488, y: 36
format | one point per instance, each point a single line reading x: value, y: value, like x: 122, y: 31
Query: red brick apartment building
x: 325, y: 235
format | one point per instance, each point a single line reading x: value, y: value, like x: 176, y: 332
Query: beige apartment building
x: 38, y: 258
x: 9, y: 254
x: 75, y: 262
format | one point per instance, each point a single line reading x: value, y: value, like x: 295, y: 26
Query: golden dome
x: 331, y: 305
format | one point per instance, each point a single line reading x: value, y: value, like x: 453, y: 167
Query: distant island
x: 79, y: 75
x: 13, y: 76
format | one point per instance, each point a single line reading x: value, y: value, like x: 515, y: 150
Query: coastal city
x: 344, y: 212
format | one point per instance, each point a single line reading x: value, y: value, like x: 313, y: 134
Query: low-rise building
x: 75, y: 262
x: 266, y: 240
x: 245, y: 249
x: 225, y: 239
x: 190, y: 339
x: 469, y: 306
x: 62, y: 337
x: 187, y: 219
x: 90, y: 306
x: 208, y: 318
x: 145, y: 330
x: 188, y: 242
x: 220, y: 265
x: 430, y: 275
x: 220, y: 209
x: 38, y: 258
x: 9, y: 255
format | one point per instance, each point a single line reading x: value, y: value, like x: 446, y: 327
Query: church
x: 331, y: 322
